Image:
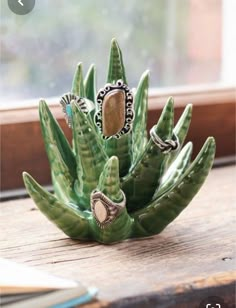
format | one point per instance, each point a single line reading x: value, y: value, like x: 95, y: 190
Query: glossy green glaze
x: 89, y: 154
x: 176, y: 170
x: 109, y: 184
x: 60, y: 155
x: 78, y: 82
x: 119, y: 147
x: 115, y: 189
x: 90, y: 84
x: 109, y: 181
x: 139, y: 133
x: 144, y: 177
x: 69, y: 218
x: 181, y: 130
x: 161, y: 211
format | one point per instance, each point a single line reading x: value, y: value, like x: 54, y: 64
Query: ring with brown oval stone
x: 115, y: 113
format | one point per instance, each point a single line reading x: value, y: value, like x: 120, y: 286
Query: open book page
x: 18, y: 278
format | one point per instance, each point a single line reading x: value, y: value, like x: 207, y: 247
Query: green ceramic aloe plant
x: 145, y: 187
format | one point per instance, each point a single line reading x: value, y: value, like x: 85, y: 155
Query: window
x: 188, y: 45
x: 184, y: 42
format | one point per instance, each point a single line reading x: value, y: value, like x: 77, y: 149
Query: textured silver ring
x: 167, y: 145
x: 115, y: 112
x: 65, y: 102
x: 104, y: 209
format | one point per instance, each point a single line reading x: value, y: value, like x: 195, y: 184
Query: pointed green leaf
x: 139, y: 132
x: 160, y: 212
x: 122, y: 149
x: 176, y: 170
x: 60, y: 155
x: 90, y: 93
x: 144, y: 177
x: 181, y: 130
x: 90, y: 156
x: 52, y: 133
x: 118, y: 147
x: 182, y: 126
x: 78, y: 82
x: 116, y: 68
x: 109, y: 181
x: 68, y: 218
x: 90, y: 84
x: 119, y: 228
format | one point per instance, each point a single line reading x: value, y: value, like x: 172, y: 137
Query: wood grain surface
x: 193, y: 258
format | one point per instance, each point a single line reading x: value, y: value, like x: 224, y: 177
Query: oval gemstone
x: 100, y: 211
x: 113, y: 112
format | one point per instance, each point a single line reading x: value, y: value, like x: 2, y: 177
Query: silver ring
x: 65, y: 102
x: 120, y: 121
x: 104, y: 209
x: 165, y: 146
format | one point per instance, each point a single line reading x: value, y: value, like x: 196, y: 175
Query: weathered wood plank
x: 192, y: 255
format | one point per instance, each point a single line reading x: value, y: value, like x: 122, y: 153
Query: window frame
x: 22, y: 147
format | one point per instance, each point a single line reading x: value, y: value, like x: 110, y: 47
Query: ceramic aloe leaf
x: 78, y: 82
x: 119, y: 147
x: 139, y: 133
x: 90, y: 84
x: 144, y: 177
x: 115, y: 182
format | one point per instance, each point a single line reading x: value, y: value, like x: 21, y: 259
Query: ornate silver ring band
x: 97, y: 194
x: 165, y: 146
x: 104, y: 209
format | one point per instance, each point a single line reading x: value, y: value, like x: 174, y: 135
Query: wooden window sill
x: 22, y: 146
x: 190, y: 260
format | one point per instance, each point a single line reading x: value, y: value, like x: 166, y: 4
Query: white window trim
x: 229, y: 42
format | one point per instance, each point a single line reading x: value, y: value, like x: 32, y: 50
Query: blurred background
x: 189, y: 46
x: 182, y: 42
